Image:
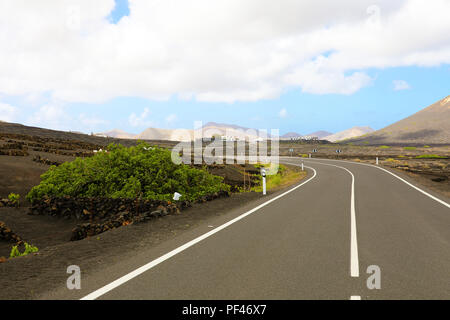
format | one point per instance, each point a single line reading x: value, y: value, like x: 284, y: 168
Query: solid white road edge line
x: 97, y: 293
x: 403, y: 180
x: 354, y: 260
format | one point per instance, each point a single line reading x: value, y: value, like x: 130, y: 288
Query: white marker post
x: 377, y: 160
x: 263, y: 174
x: 310, y: 155
x: 302, y: 167
x: 176, y: 196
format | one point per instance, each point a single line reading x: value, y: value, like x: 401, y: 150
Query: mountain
x: 223, y: 125
x: 349, y: 133
x: 209, y: 130
x: 428, y: 126
x: 291, y: 135
x: 165, y: 134
x: 117, y: 133
x: 320, y: 134
x: 212, y: 128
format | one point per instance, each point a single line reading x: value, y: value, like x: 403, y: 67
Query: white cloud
x: 56, y: 116
x: 282, y: 113
x: 7, y: 112
x: 222, y: 50
x: 91, y: 122
x: 400, y: 85
x: 140, y: 120
x: 171, y: 118
x: 52, y: 116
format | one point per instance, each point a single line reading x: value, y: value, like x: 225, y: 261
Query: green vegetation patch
x: 137, y: 172
x: 283, y: 177
x: 430, y: 156
x: 14, y: 199
x: 28, y: 249
x: 409, y: 148
x: 384, y: 147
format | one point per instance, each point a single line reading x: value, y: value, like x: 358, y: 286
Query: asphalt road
x: 315, y: 242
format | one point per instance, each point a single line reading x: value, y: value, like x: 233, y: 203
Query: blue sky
x: 377, y: 106
x: 367, y: 95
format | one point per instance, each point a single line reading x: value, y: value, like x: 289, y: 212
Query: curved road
x: 315, y: 241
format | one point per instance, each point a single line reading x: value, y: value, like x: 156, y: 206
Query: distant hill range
x: 209, y: 130
x: 117, y: 133
x: 320, y: 134
x: 290, y: 135
x: 428, y: 126
x: 349, y: 133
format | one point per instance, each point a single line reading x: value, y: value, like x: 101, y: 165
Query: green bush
x: 28, y: 249
x: 409, y: 148
x: 14, y: 199
x: 384, y: 147
x: 132, y: 172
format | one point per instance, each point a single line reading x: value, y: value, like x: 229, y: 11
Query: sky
x: 300, y: 66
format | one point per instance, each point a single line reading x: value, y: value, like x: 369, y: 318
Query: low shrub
x: 28, y: 249
x: 14, y: 199
x: 137, y: 172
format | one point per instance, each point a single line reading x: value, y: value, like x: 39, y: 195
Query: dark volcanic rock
x: 7, y: 234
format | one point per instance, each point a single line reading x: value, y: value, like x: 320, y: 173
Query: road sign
x: 338, y: 151
x: 314, y: 150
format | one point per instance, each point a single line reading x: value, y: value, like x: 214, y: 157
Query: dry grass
x: 285, y: 177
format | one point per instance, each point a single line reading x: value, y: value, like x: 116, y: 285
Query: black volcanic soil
x: 27, y: 277
x: 51, y: 235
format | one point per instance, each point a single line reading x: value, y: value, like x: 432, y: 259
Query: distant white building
x: 100, y: 135
x: 309, y: 138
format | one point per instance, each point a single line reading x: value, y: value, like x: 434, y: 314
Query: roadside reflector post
x: 377, y: 160
x: 176, y: 196
x: 263, y: 174
x: 302, y: 167
x: 310, y: 155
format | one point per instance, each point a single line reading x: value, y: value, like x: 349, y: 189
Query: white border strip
x: 94, y: 295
